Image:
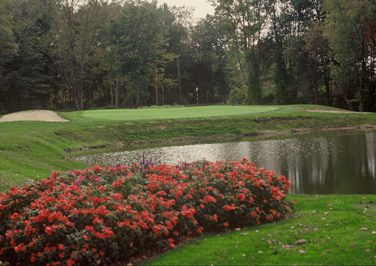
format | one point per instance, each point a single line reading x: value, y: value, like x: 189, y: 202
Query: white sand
x: 33, y: 115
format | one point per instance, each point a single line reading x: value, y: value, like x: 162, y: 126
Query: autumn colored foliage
x: 101, y: 215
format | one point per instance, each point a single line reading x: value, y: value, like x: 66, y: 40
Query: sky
x: 201, y: 7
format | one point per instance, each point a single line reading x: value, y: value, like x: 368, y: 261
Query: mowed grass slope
x: 325, y: 230
x: 34, y: 149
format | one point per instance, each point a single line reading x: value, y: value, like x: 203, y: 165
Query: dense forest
x: 75, y: 54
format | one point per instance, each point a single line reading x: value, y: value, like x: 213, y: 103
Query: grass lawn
x: 157, y: 113
x: 332, y: 229
x: 336, y: 229
x: 34, y: 149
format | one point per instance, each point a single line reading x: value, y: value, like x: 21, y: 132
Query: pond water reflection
x: 322, y: 164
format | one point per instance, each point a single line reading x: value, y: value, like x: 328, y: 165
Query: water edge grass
x: 325, y: 230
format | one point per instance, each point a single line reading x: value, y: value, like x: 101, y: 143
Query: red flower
x: 117, y: 183
x: 169, y: 225
x: 277, y: 193
x: 28, y: 230
x: 102, y: 210
x: 31, y: 244
x: 101, y: 188
x: 228, y: 208
x: 200, y: 230
x: 96, y: 168
x: 187, y: 212
x: 157, y: 230
x: 108, y: 232
x: 171, y: 243
x: 8, y: 234
x: 209, y: 199
x: 251, y: 200
x: 241, y: 197
x: 49, y: 230
x: 54, y: 175
x: 19, y: 248
x: 14, y: 217
x: 97, y: 220
x: 162, y: 202
x: 70, y: 262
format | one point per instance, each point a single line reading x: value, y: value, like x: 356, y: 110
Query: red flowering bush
x: 100, y: 215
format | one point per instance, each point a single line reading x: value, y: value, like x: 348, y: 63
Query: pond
x: 315, y: 164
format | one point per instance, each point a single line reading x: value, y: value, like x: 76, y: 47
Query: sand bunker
x: 33, y: 115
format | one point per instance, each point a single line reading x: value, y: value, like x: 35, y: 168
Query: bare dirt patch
x: 33, y: 115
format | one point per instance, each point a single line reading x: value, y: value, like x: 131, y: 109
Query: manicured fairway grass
x: 34, y: 149
x: 336, y: 229
x: 173, y: 112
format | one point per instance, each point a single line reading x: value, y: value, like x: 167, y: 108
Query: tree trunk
x: 163, y: 96
x: 316, y: 93
x: 76, y: 97
x: 117, y: 94
x: 111, y: 94
x: 138, y: 98
x: 363, y: 79
x: 180, y: 96
x: 156, y: 89
x: 327, y: 89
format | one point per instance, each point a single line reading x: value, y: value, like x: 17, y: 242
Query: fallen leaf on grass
x: 300, y: 242
x: 301, y: 251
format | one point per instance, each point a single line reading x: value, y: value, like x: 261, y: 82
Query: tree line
x: 80, y: 54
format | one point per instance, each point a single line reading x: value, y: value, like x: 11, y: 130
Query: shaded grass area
x: 34, y: 149
x: 325, y: 230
